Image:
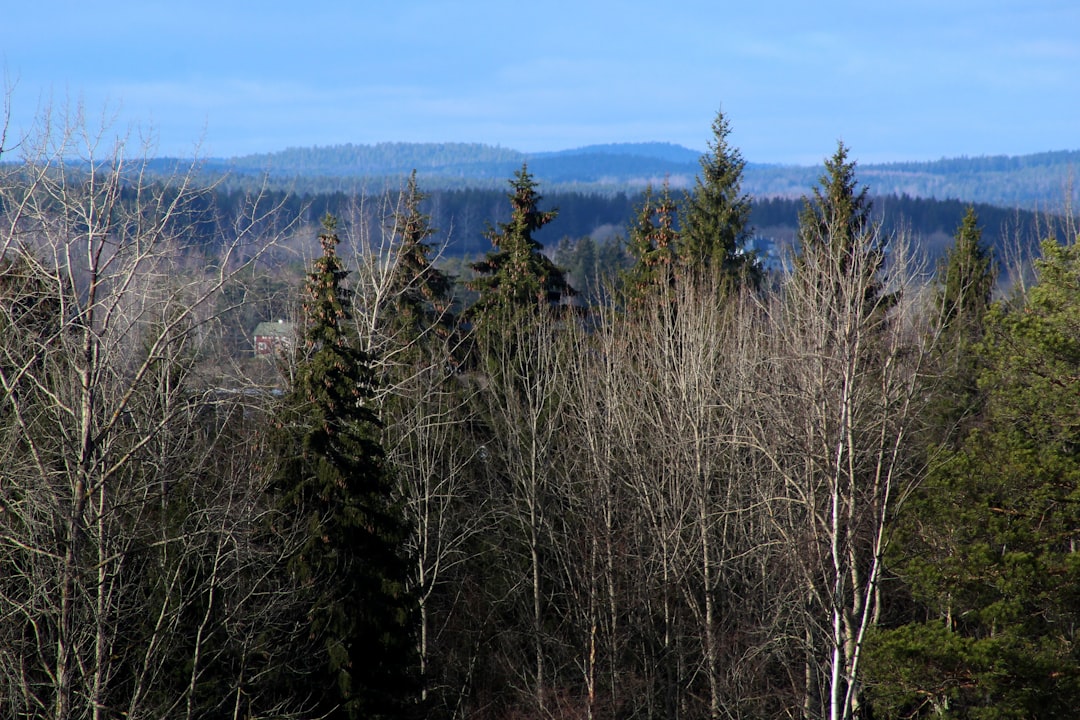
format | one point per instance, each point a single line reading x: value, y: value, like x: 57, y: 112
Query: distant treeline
x: 462, y: 216
x: 931, y: 223
x: 1042, y: 181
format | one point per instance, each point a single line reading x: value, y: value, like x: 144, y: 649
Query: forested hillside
x: 841, y: 486
x: 460, y: 218
x: 1042, y: 182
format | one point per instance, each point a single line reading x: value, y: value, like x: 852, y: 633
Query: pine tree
x: 965, y: 282
x: 716, y: 222
x: 652, y: 247
x: 987, y: 547
x: 332, y: 483
x: 516, y: 275
x: 836, y: 229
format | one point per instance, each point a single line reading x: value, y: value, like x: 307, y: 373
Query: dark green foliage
x: 592, y: 265
x: 987, y: 547
x: 516, y: 274
x: 836, y: 229
x: 652, y: 247
x: 332, y: 483
x: 965, y: 282
x: 578, y: 257
x: 422, y: 292
x: 838, y: 213
x: 716, y: 219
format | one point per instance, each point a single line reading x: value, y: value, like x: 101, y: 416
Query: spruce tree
x: 964, y: 284
x: 987, y: 546
x: 716, y: 222
x: 836, y: 230
x: 422, y: 292
x: 516, y: 275
x: 334, y: 487
x: 652, y: 247
x: 838, y: 214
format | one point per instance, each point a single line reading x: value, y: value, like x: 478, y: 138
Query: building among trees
x: 273, y: 337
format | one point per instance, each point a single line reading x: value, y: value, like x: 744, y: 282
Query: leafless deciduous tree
x: 838, y: 406
x: 403, y: 317
x: 136, y: 558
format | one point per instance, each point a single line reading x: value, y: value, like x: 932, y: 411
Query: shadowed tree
x: 965, y: 282
x: 352, y: 569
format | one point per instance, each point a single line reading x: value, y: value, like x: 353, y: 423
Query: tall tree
x: 421, y: 291
x: 836, y: 223
x: 652, y: 247
x: 516, y: 274
x: 122, y: 524
x: 716, y: 221
x: 352, y: 567
x: 412, y: 333
x: 965, y: 282
x: 851, y: 391
x: 987, y: 548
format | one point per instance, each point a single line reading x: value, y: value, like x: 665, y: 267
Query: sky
x: 900, y: 80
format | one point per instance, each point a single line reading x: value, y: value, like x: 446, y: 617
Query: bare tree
x: 403, y: 316
x: 523, y: 410
x: 841, y: 384
x: 121, y: 521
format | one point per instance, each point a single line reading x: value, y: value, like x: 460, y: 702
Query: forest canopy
x: 653, y: 472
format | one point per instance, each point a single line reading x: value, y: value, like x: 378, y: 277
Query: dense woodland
x: 1043, y: 182
x: 843, y: 484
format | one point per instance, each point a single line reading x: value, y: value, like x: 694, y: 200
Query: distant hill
x: 1041, y: 181
x: 669, y: 152
x: 441, y: 166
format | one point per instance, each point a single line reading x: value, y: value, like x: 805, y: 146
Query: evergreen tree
x: 716, y: 222
x: 987, y: 547
x: 652, y: 247
x: 516, y: 275
x: 836, y: 228
x: 838, y: 214
x: 578, y: 258
x: 965, y: 282
x: 332, y: 483
x: 422, y: 292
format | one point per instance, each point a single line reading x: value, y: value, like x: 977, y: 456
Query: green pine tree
x: 333, y: 486
x: 964, y: 285
x: 988, y: 546
x: 715, y: 226
x: 516, y: 275
x: 652, y: 247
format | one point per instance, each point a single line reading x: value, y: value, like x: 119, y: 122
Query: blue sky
x: 909, y: 79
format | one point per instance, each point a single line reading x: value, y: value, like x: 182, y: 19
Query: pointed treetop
x: 716, y: 222
x: 839, y: 211
x: 328, y: 238
x: 516, y: 273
